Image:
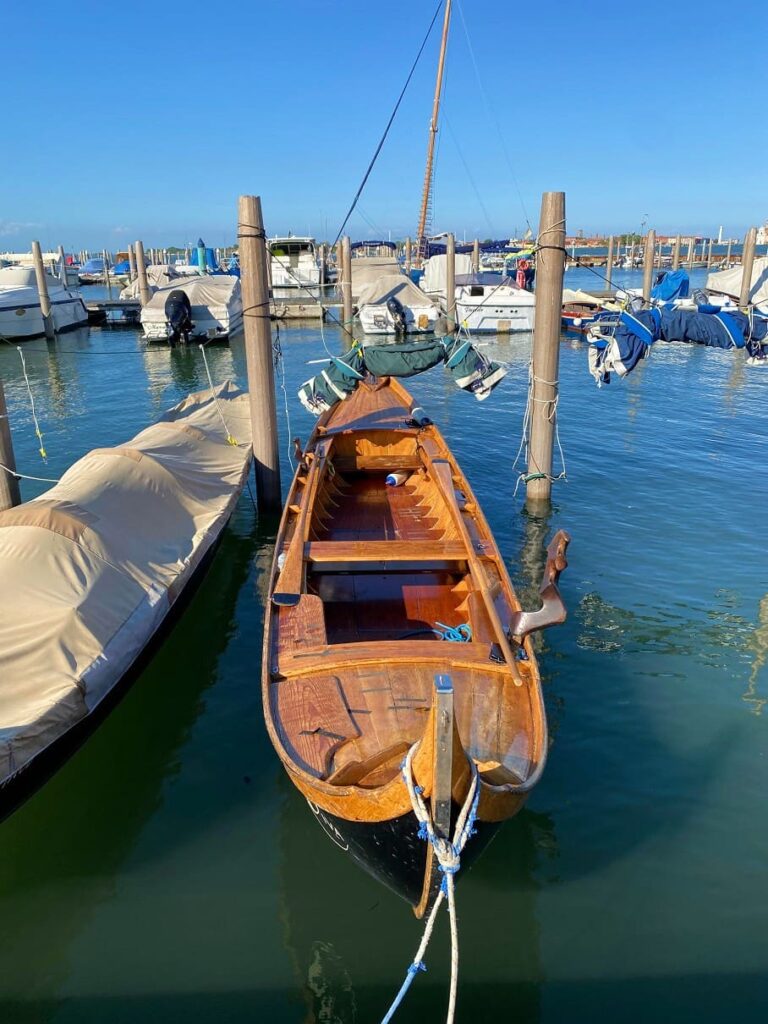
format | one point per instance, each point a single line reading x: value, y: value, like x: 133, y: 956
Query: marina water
x: 170, y: 872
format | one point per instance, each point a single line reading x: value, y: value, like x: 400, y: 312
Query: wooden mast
x: 425, y: 195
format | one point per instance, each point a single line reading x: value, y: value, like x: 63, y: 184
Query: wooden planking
x: 302, y: 625
x: 313, y: 719
x: 385, y: 551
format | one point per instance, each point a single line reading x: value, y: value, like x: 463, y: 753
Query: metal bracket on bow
x: 552, y: 610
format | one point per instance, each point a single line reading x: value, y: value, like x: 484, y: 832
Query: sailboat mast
x: 427, y: 190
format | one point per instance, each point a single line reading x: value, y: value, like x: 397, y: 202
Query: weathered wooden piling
x: 141, y: 273
x: 258, y: 352
x: 42, y: 289
x: 648, y: 256
x: 728, y: 254
x: 676, y: 254
x: 609, y: 262
x: 689, y: 258
x: 747, y: 260
x: 709, y: 254
x: 408, y: 255
x: 450, y: 283
x: 476, y: 256
x: 10, y: 496
x: 346, y: 282
x: 550, y: 265
x: 131, y: 265
x: 321, y: 265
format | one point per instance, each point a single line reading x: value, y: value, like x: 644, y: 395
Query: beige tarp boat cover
x: 158, y: 276
x: 89, y: 570
x: 397, y: 285
x: 366, y: 269
x: 578, y: 296
x: 728, y: 282
x: 436, y: 270
x: 218, y: 294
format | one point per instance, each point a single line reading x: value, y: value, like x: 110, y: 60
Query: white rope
x: 24, y: 476
x: 41, y: 449
x: 551, y: 416
x: 230, y: 439
x: 277, y: 350
x: 448, y: 855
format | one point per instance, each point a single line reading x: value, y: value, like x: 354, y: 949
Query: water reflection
x: 758, y: 644
x: 61, y: 853
x: 350, y: 940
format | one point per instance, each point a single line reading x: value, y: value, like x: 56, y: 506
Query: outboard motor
x: 397, y: 312
x: 178, y: 312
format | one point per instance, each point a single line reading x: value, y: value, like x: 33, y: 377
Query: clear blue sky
x: 147, y: 120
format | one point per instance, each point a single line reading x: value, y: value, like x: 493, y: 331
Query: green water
x: 169, y: 872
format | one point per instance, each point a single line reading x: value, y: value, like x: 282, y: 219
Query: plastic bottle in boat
x: 396, y: 479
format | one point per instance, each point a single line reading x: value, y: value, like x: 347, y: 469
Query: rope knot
x: 416, y: 966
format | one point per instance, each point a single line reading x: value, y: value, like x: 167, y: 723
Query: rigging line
x: 41, y: 449
x: 279, y: 364
x: 24, y: 476
x: 389, y: 123
x: 469, y: 175
x: 492, y: 116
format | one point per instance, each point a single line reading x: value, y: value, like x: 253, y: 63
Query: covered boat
x: 435, y: 275
x: 93, y: 271
x: 490, y: 303
x: 393, y: 304
x: 20, y: 312
x: 362, y: 692
x: 209, y: 307
x: 367, y: 269
x: 91, y: 569
x: 726, y: 284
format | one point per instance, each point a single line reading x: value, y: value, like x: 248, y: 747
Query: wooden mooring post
x: 728, y: 254
x: 546, y: 347
x: 450, y: 283
x: 141, y: 273
x: 476, y: 256
x: 747, y: 260
x: 609, y: 262
x: 42, y: 290
x: 691, y: 246
x: 10, y: 496
x: 131, y: 265
x: 408, y: 255
x: 648, y: 258
x: 346, y: 283
x: 258, y: 352
x: 676, y: 254
x: 709, y: 254
x: 62, y: 266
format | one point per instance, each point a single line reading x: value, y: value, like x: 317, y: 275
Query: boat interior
x: 387, y: 569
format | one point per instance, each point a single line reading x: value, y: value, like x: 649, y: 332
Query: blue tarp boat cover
x: 629, y: 341
x: 95, y: 265
x: 671, y: 284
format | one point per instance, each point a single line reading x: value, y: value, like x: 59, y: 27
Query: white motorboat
x: 209, y: 307
x: 488, y: 303
x: 294, y: 262
x: 393, y: 304
x: 20, y: 312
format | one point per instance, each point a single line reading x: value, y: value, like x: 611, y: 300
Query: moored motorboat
x: 393, y: 304
x: 20, y: 313
x: 370, y: 580
x: 208, y: 306
x: 489, y: 303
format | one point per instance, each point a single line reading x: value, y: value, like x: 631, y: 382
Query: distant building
x: 762, y: 234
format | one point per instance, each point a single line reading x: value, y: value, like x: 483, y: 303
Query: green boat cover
x: 470, y: 369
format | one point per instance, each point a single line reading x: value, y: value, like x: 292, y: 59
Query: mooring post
x: 450, y: 283
x: 550, y: 265
x: 131, y: 265
x: 141, y: 273
x: 42, y: 290
x: 10, y: 495
x: 728, y: 255
x: 476, y: 256
x: 346, y: 283
x: 609, y: 262
x: 650, y: 249
x: 676, y: 254
x: 258, y: 352
x: 107, y: 278
x: 709, y: 254
x: 689, y: 257
x: 408, y: 255
x: 747, y: 259
x: 321, y: 267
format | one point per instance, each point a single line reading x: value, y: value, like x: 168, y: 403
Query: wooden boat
x: 366, y: 579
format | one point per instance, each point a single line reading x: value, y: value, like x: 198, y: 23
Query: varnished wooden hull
x: 363, y: 577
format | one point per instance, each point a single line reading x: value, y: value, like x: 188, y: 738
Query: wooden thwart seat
x: 385, y: 551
